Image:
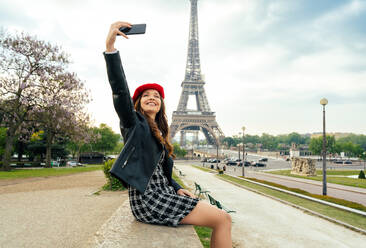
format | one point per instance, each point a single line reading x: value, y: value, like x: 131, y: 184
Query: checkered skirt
x: 160, y: 204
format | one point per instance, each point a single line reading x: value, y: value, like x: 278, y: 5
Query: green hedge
x: 361, y: 175
x: 112, y: 183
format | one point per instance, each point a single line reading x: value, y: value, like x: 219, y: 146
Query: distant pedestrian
x: 145, y: 163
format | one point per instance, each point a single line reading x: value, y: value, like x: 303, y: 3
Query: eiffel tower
x: 201, y: 119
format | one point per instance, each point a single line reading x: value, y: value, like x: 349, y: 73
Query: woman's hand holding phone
x: 114, y: 30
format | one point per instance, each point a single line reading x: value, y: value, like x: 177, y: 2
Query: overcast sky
x: 266, y: 63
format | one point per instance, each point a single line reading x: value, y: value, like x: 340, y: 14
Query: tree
x: 81, y: 139
x: 295, y: 138
x: 118, y: 148
x: 351, y: 149
x: 106, y: 139
x: 60, y: 124
x: 356, y: 139
x: 36, y: 87
x: 316, y: 145
x: 2, y: 140
x: 268, y: 141
x: 24, y: 61
x: 254, y: 139
x: 229, y: 141
x: 178, y: 151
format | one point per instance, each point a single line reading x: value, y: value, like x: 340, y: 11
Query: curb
x: 311, y: 183
x: 355, y: 211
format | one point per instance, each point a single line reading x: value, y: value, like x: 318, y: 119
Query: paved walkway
x: 264, y: 222
x: 349, y: 193
x: 56, y: 211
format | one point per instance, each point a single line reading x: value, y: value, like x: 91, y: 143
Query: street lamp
x: 238, y: 145
x: 217, y: 152
x: 324, y: 102
x: 243, y: 172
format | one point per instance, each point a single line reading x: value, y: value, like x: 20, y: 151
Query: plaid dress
x: 160, y: 204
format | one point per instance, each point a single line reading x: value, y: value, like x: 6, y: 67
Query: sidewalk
x: 56, y: 211
x: 349, y: 193
x: 263, y: 222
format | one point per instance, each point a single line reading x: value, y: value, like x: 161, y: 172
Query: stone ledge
x: 122, y: 230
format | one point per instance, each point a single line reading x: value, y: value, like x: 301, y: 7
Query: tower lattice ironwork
x: 201, y: 119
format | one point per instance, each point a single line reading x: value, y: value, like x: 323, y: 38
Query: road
x: 315, y: 187
x: 280, y: 163
x: 260, y: 221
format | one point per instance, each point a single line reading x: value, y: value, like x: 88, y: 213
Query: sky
x: 267, y: 63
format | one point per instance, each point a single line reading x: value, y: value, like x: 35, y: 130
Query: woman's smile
x: 151, y: 102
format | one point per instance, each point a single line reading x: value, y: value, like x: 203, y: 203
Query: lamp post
x: 238, y: 145
x: 243, y: 170
x: 217, y: 152
x: 324, y: 102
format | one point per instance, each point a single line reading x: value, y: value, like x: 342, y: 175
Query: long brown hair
x: 159, y: 127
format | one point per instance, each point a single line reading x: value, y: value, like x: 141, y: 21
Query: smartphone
x: 135, y: 29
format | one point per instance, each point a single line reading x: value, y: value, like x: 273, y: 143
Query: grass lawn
x: 344, y: 216
x: 333, y: 176
x: 204, y: 233
x: 46, y: 172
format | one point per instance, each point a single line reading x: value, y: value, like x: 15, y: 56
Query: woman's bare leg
x: 207, y: 215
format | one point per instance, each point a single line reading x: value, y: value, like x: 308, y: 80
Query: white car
x: 72, y: 163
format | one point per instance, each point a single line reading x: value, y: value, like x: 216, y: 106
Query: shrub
x: 361, y: 175
x: 112, y: 182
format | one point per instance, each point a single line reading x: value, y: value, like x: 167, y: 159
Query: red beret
x: 144, y: 87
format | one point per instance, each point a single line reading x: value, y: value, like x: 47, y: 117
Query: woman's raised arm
x: 121, y: 95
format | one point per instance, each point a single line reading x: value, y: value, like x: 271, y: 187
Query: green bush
x: 361, y: 175
x: 112, y: 183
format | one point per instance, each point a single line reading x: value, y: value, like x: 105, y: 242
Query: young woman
x: 145, y: 163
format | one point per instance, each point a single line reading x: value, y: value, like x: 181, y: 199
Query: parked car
x: 215, y: 160
x: 259, y: 164
x: 73, y: 163
x: 246, y: 163
x: 263, y: 160
x: 338, y: 162
x: 347, y: 162
x: 230, y: 162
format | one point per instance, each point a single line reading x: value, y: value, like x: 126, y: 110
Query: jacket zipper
x: 128, y: 157
x: 153, y: 172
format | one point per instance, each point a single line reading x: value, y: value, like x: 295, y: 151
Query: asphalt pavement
x: 348, y: 193
x: 260, y: 221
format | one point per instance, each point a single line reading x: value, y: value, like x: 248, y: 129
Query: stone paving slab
x: 123, y: 231
x: 55, y: 212
x: 263, y: 222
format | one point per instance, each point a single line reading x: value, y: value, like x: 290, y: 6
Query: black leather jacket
x: 141, y: 153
